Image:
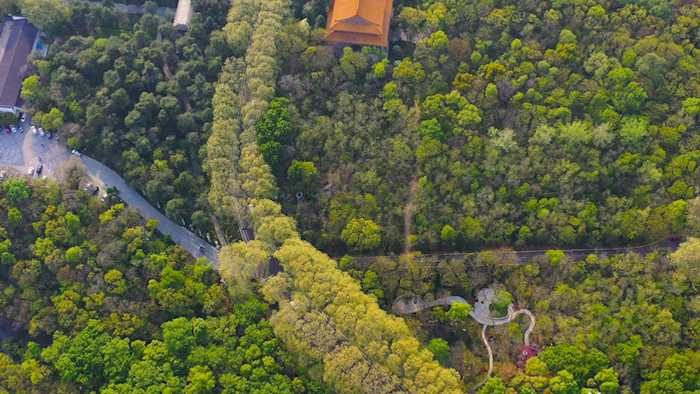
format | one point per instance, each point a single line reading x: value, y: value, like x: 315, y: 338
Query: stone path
x: 481, y: 313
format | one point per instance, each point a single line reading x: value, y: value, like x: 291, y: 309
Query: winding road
x: 19, y: 151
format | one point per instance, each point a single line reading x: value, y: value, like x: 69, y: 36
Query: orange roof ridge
x: 363, y: 22
x: 366, y: 11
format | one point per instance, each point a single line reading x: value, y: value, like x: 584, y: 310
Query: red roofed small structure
x: 360, y: 22
x: 526, y: 353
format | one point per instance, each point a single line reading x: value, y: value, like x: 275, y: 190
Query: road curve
x: 19, y: 151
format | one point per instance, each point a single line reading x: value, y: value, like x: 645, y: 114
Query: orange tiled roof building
x: 360, y: 22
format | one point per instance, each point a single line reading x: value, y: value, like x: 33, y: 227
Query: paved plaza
x: 24, y: 150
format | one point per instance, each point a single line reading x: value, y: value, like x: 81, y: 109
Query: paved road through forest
x: 106, y: 177
x: 19, y: 151
x: 524, y: 256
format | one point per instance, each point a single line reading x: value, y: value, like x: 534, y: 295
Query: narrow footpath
x: 408, y: 216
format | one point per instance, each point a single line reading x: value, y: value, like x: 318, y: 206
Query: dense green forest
x: 495, y: 123
x: 100, y: 301
x: 528, y: 124
x: 618, y: 324
x: 136, y: 93
x: 508, y: 122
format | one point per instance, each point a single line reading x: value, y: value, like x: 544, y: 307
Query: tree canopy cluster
x: 136, y: 94
x: 528, y: 123
x: 495, y: 124
x: 235, y: 165
x: 99, y: 301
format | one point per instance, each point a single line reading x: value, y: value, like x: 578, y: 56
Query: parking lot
x: 24, y: 150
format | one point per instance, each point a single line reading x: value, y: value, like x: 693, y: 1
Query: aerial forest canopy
x: 368, y: 144
x: 501, y: 124
x: 516, y: 124
x: 109, y: 305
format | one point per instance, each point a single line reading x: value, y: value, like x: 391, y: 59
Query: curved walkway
x: 480, y: 313
x: 19, y: 151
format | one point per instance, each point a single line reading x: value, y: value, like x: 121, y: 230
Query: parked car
x: 75, y: 152
x: 674, y: 237
x: 41, y: 132
x: 30, y: 171
x: 49, y: 134
x: 89, y: 187
x: 23, y: 118
x: 13, y: 128
x: 21, y: 129
x: 39, y: 168
x: 3, y: 175
x: 7, y: 128
x: 34, y: 130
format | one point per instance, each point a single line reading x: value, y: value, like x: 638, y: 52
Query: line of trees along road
x: 383, y: 354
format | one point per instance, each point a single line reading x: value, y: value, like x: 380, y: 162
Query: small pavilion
x: 360, y: 22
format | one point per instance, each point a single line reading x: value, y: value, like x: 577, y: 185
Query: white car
x: 14, y: 128
x: 41, y: 132
x: 23, y: 118
x: 34, y: 130
x: 30, y: 171
x: 75, y: 152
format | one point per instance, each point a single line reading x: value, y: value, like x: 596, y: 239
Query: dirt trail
x: 408, y: 216
x: 410, y: 209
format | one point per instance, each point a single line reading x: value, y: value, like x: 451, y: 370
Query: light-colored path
x: 408, y: 216
x: 480, y: 313
x: 19, y: 151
